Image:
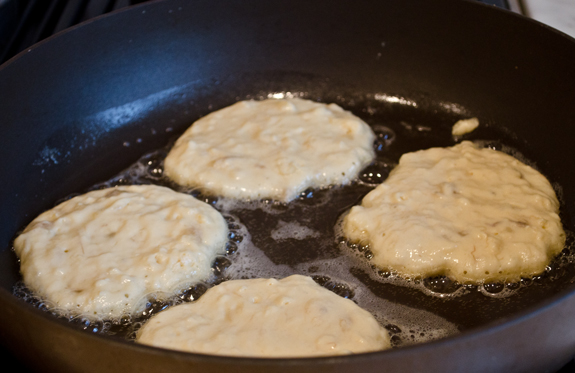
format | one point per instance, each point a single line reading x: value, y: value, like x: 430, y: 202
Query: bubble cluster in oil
x: 444, y: 287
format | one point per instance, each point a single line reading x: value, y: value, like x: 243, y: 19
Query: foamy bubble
x: 293, y: 229
x: 251, y: 262
x: 269, y: 206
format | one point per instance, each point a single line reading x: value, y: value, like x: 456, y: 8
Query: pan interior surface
x: 81, y: 107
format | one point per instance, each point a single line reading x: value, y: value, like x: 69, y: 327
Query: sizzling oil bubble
x: 494, y: 287
x: 154, y: 306
x: 375, y: 173
x: 155, y: 164
x: 384, y: 137
x: 194, y: 292
x: 294, y: 230
x: 93, y: 326
x: 341, y: 289
x: 441, y: 284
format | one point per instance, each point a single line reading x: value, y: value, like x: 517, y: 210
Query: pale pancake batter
x: 464, y: 126
x: 100, y: 253
x: 292, y: 317
x: 469, y: 213
x: 271, y: 149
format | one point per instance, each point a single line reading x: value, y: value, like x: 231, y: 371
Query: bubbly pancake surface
x: 271, y: 149
x: 472, y: 214
x: 100, y: 253
x: 292, y: 317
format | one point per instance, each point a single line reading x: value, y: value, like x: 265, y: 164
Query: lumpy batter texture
x: 271, y: 149
x: 472, y: 214
x: 292, y: 317
x: 100, y: 253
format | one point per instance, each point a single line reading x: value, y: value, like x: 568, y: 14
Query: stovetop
x: 26, y: 22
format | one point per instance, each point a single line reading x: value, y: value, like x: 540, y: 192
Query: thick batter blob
x: 472, y: 214
x: 464, y: 126
x: 100, y: 253
x: 271, y: 149
x: 292, y: 317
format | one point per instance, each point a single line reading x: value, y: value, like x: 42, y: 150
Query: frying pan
x: 81, y: 106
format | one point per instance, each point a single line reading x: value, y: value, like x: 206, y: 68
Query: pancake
x: 292, y: 317
x: 472, y: 214
x: 271, y: 149
x: 99, y: 254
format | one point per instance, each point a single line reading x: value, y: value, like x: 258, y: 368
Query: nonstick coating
x: 80, y: 107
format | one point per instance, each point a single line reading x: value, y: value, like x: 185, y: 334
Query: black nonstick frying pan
x: 80, y: 107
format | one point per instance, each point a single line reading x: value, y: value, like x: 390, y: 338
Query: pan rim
x: 150, y: 3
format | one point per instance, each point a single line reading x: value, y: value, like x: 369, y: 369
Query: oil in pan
x: 273, y: 239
